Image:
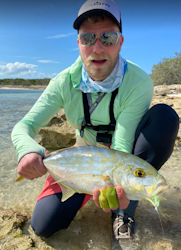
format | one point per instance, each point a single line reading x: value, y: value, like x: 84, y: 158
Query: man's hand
x: 108, y: 196
x: 31, y: 166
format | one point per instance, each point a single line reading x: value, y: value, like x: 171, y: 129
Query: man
x: 100, y: 75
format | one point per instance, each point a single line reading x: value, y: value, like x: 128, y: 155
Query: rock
x: 12, y: 233
x: 12, y: 222
x: 58, y: 133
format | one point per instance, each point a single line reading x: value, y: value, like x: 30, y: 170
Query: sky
x: 37, y: 39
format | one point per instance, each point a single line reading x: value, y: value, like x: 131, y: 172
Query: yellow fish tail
x: 20, y: 178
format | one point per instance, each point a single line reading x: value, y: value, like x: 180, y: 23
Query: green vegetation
x: 168, y: 71
x: 24, y: 83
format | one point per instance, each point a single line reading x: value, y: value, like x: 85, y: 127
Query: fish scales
x: 83, y: 169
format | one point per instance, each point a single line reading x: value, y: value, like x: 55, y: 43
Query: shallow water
x: 14, y: 104
x: 91, y: 228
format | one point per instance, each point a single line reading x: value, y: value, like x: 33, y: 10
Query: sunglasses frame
x: 119, y: 34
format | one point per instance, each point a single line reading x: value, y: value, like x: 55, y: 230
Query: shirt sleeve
x: 135, y: 105
x: 49, y: 103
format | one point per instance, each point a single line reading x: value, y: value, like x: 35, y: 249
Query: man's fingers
x: 40, y: 169
x: 46, y: 153
x: 96, y: 197
x: 27, y: 177
x: 31, y: 166
x: 122, y: 200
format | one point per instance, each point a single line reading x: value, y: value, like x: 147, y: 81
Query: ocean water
x: 14, y: 104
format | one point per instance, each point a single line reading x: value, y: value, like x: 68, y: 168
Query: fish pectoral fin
x: 66, y: 192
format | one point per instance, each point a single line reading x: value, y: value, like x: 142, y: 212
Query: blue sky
x: 37, y: 39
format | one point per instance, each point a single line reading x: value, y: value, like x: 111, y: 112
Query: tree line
x: 25, y: 82
x: 166, y: 72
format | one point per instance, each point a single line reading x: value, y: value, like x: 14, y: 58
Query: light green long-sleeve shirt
x: 131, y: 103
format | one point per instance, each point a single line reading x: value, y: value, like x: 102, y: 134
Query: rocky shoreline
x: 91, y: 227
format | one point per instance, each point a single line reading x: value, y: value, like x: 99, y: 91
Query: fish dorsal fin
x: 66, y: 192
x: 101, y: 146
x: 80, y: 142
x: 58, y: 151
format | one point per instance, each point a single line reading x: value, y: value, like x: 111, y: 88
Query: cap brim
x: 83, y: 16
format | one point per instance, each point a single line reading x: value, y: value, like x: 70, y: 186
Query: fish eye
x: 139, y: 172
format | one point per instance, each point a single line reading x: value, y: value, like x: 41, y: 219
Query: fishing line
x: 156, y: 208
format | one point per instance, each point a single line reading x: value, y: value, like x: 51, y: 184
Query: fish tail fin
x: 20, y: 178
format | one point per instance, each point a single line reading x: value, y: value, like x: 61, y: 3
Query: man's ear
x: 78, y: 41
x: 121, y: 42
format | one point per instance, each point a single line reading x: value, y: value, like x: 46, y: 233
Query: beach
x: 31, y: 87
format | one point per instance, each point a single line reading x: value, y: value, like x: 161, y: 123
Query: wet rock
x: 12, y: 223
x: 12, y: 235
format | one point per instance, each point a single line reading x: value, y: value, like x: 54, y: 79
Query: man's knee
x: 39, y: 229
x: 161, y: 121
x: 165, y: 113
x: 44, y: 230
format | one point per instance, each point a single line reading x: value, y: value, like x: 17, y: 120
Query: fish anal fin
x: 66, y: 192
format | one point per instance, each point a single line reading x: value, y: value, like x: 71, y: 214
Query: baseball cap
x: 109, y: 7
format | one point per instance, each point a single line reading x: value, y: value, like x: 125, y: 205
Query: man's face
x: 99, y: 60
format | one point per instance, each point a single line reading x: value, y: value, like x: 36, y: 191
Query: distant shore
x: 31, y: 87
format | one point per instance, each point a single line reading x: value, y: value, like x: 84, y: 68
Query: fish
x: 83, y: 168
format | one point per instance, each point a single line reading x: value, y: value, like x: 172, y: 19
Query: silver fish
x: 83, y: 168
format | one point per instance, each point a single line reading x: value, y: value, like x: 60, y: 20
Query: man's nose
x: 98, y: 47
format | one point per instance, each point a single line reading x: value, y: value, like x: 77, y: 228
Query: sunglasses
x: 106, y: 38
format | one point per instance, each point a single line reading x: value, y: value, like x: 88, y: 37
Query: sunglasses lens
x: 109, y: 38
x: 87, y: 39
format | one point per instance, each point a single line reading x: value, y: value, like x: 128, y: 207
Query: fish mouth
x: 158, y: 189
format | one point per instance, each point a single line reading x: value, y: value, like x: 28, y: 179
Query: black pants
x: 154, y: 141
